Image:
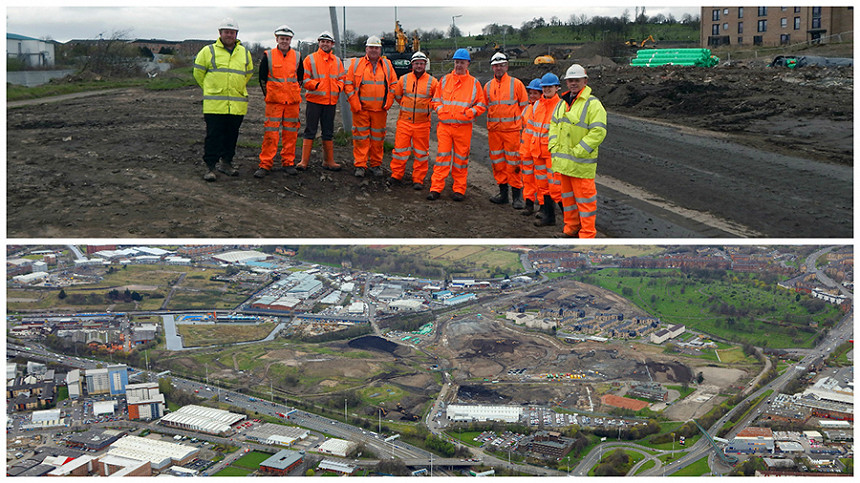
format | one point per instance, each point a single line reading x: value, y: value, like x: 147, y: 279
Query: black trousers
x: 222, y: 133
x: 319, y: 114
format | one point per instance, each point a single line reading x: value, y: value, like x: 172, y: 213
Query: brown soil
x: 127, y: 163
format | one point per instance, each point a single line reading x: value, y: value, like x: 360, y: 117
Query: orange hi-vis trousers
x: 453, y: 143
x: 579, y: 200
x: 281, y: 119
x: 548, y: 182
x: 411, y: 138
x: 505, y: 156
x: 528, y: 172
x: 368, y: 137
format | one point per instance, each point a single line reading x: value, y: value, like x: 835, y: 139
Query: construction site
x: 73, y: 170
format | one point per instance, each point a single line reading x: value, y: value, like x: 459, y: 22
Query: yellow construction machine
x: 632, y: 43
x: 544, y: 59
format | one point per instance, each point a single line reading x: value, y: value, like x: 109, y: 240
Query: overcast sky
x: 256, y: 24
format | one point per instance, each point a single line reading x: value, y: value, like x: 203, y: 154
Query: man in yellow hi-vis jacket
x: 223, y: 69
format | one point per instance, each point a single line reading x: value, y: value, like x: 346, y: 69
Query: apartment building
x: 774, y: 26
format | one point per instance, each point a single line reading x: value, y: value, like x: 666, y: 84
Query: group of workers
x: 543, y: 146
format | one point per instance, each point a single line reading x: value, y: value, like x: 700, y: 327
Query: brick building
x: 773, y: 26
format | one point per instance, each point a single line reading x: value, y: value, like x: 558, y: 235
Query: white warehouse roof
x: 204, y: 419
x: 159, y: 453
x: 240, y: 256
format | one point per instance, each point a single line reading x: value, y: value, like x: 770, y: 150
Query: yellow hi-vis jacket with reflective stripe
x: 575, y: 133
x: 223, y: 76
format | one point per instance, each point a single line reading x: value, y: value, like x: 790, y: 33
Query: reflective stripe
x: 225, y: 98
x: 421, y: 152
x: 573, y: 158
x: 567, y: 195
x: 586, y: 200
x: 501, y: 119
x: 444, y: 163
x: 366, y: 98
x: 464, y: 158
x: 461, y: 166
x: 586, y: 147
x: 587, y: 214
x: 451, y: 121
x: 499, y: 152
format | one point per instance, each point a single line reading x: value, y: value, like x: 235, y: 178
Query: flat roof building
x: 337, y: 447
x: 281, y: 463
x: 461, y: 412
x: 202, y: 419
x: 160, y: 454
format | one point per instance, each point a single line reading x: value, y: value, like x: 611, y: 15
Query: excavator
x: 632, y: 43
x: 399, y: 51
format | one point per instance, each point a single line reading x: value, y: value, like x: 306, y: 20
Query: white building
x: 356, y: 308
x: 73, y: 381
x: 406, y: 305
x: 104, y: 407
x: 460, y: 412
x: 47, y: 418
x: 203, y: 419
x: 240, y: 256
x: 337, y: 447
x: 28, y: 278
x: 32, y: 52
x: 160, y: 454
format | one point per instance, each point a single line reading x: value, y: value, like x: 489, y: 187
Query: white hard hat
x: 419, y: 56
x: 498, y: 58
x: 283, y: 30
x: 373, y: 41
x: 326, y: 35
x: 228, y: 23
x: 575, y: 71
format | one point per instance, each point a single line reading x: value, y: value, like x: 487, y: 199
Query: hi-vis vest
x: 223, y: 76
x: 505, y: 102
x: 282, y: 86
x: 457, y: 95
x: 538, y: 125
x: 414, y: 96
x: 372, y: 89
x: 575, y: 134
x: 323, y: 78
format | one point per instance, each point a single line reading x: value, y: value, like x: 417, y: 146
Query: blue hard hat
x: 549, y: 79
x: 534, y: 85
x: 462, y: 54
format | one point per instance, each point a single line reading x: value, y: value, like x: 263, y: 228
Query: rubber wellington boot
x: 307, y: 145
x: 529, y: 208
x: 548, y: 209
x: 502, y: 197
x: 329, y: 164
x: 517, y: 198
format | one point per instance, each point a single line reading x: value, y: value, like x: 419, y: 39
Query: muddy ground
x: 127, y: 163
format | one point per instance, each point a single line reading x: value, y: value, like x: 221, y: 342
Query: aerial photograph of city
x: 429, y: 360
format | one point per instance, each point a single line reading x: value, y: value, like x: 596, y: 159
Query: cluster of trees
x: 630, y: 433
x: 616, y: 463
x: 127, y: 296
x: 95, y: 298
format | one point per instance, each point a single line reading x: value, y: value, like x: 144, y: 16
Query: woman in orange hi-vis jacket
x: 457, y: 102
x: 540, y: 123
x: 529, y: 184
x: 413, y: 92
x: 369, y: 87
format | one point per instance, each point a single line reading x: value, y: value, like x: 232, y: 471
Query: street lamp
x: 454, y: 29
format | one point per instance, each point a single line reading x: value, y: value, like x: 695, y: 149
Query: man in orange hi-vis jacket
x: 413, y: 92
x: 369, y: 87
x: 323, y: 83
x: 280, y: 72
x: 506, y: 99
x: 529, y: 183
x: 459, y: 99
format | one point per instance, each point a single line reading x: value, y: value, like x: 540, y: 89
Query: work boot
x: 376, y: 170
x: 392, y: 181
x: 227, y: 168
x: 328, y: 163
x: 359, y: 172
x: 529, y: 208
x: 291, y: 170
x: 502, y: 197
x: 434, y: 195
x: 210, y: 176
x: 417, y: 186
x: 517, y: 198
x: 548, y: 209
x: 307, y: 145
x: 261, y: 173
x: 458, y: 196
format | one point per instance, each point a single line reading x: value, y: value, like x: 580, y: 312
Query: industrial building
x: 202, y: 419
x: 73, y: 382
x: 337, y: 447
x: 47, y: 418
x: 460, y: 412
x: 144, y: 401
x: 651, y: 390
x: 160, y: 454
x: 94, y: 439
x: 459, y: 299
x: 104, y: 407
x: 336, y: 467
x: 270, y: 433
x: 238, y: 257
x: 406, y: 305
x: 281, y: 463
x: 752, y: 440
x: 663, y: 335
x: 548, y: 444
x: 110, y: 380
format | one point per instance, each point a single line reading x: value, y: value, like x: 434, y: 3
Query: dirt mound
x: 670, y: 371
